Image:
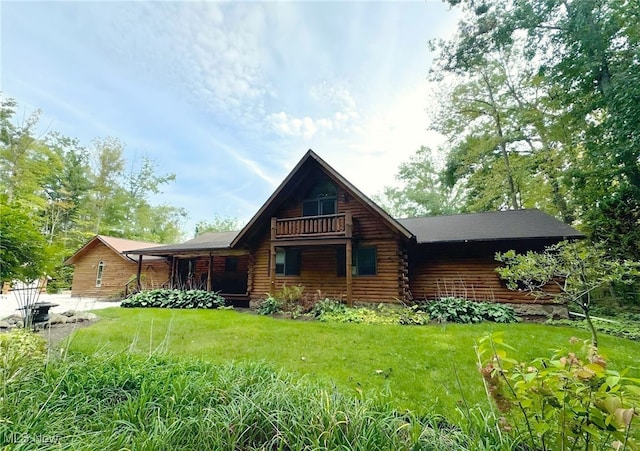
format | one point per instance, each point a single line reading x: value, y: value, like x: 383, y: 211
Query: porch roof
x: 209, y: 241
x: 491, y: 226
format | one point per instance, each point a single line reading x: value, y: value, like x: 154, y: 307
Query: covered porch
x: 206, y: 263
x: 327, y: 243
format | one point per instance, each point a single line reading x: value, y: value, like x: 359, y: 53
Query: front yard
x: 422, y: 368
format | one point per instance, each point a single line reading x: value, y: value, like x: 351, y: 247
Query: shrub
x: 290, y: 299
x: 20, y: 351
x: 175, y: 299
x: 327, y: 305
x: 458, y: 310
x: 382, y: 314
x: 269, y: 306
x: 564, y: 402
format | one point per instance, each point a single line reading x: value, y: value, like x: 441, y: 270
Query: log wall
x: 465, y: 271
x: 318, y: 272
x: 116, y: 273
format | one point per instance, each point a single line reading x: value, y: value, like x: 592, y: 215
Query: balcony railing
x: 340, y: 226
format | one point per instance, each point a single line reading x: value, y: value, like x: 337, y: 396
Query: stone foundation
x: 541, y: 312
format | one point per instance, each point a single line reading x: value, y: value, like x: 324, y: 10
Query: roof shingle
x: 492, y: 226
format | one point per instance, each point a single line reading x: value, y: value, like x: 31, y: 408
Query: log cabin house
x: 102, y: 270
x: 319, y: 231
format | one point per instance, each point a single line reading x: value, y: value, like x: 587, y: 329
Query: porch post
x: 138, y: 282
x: 348, y: 257
x: 209, y: 271
x: 272, y: 259
x: 174, y: 270
x: 171, y: 272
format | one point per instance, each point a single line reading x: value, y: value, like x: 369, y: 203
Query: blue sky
x: 229, y: 96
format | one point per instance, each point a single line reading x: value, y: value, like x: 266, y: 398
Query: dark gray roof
x: 499, y: 225
x: 205, y: 242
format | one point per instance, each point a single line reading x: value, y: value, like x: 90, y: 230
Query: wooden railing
x: 340, y: 225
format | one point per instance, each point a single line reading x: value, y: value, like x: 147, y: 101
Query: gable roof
x: 279, y: 195
x: 205, y: 242
x: 117, y: 245
x: 492, y: 226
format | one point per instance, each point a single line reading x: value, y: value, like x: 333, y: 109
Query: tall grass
x: 159, y: 403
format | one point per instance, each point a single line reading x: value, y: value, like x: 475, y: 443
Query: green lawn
x: 415, y: 367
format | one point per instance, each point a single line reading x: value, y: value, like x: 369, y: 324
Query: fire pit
x: 39, y: 311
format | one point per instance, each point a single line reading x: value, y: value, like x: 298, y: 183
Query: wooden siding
x: 318, y: 272
x: 462, y: 270
x: 116, y: 273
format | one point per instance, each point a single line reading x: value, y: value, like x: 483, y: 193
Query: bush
x: 290, y: 299
x: 269, y: 306
x: 564, y: 402
x: 382, y: 314
x: 20, y: 351
x: 458, y: 310
x: 175, y: 299
x: 327, y: 306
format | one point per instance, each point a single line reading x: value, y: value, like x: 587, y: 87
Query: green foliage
x: 382, y: 314
x: 458, y: 310
x: 269, y: 306
x: 328, y: 305
x: 21, y: 351
x: 23, y: 250
x: 564, y: 402
x: 568, y: 272
x: 422, y: 191
x: 61, y: 279
x: 625, y: 329
x: 290, y: 299
x: 551, y: 88
x: 156, y: 402
x: 165, y: 298
x: 52, y: 186
x: 218, y: 224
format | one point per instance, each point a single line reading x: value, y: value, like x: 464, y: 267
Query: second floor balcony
x: 325, y: 226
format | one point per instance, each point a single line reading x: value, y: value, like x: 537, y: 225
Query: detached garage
x: 103, y: 270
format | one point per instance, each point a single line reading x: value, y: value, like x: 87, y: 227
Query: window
x: 288, y: 261
x: 321, y: 200
x: 364, y: 263
x: 99, y: 274
x: 231, y: 264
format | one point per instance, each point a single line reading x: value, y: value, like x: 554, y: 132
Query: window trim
x: 319, y: 199
x: 356, y: 261
x: 289, y: 254
x: 99, y: 274
x: 341, y: 268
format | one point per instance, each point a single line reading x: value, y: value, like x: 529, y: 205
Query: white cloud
x: 323, y: 96
x: 209, y: 52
